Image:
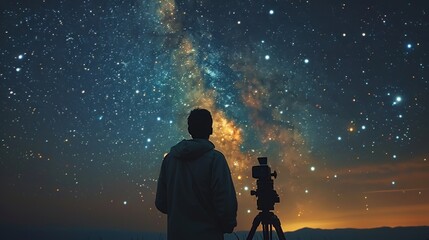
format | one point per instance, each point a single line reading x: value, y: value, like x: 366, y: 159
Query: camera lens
x: 262, y: 160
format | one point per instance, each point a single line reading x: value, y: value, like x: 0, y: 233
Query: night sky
x: 334, y: 93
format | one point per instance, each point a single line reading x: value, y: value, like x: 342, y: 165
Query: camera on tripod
x: 265, y: 192
x: 267, y: 197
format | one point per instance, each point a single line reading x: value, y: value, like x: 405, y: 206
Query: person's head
x: 200, y: 123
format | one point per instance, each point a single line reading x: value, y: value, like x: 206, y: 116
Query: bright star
x: 267, y: 57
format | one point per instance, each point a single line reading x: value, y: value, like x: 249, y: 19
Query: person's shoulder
x: 219, y: 158
x: 168, y: 157
x: 218, y: 154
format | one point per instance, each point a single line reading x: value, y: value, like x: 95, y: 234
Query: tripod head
x: 265, y: 193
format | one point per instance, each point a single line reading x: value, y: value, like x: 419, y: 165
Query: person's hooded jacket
x: 196, y: 191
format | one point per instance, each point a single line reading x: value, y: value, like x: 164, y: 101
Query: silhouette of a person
x: 195, y: 187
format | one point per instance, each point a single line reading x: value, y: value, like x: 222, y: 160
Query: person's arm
x: 161, y: 191
x: 224, y: 196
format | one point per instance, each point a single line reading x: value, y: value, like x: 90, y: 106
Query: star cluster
x: 94, y: 93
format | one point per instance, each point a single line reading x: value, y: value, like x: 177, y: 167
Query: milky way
x: 94, y: 94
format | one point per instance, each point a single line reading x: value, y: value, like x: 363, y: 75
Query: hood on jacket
x: 191, y: 149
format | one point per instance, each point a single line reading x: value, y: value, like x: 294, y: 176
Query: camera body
x: 265, y: 193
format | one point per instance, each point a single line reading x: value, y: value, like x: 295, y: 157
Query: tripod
x: 268, y: 220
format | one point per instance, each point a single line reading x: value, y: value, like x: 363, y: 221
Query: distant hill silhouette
x: 54, y: 233
x: 384, y: 233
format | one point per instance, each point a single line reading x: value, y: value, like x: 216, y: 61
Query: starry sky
x: 334, y: 93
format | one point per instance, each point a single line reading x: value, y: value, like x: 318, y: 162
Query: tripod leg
x: 265, y: 231
x: 280, y: 233
x: 278, y: 227
x: 255, y: 225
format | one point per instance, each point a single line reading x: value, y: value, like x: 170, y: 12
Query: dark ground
x: 384, y: 233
